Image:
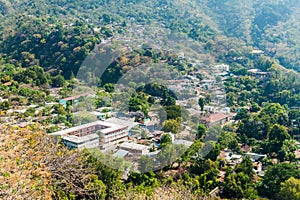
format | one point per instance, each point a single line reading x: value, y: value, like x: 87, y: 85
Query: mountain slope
x: 268, y: 25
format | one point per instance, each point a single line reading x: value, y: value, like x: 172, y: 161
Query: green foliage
x: 246, y: 167
x: 109, y: 87
x: 242, y: 114
x: 145, y: 164
x: 170, y: 154
x: 171, y: 125
x: 165, y: 140
x: 149, y: 179
x: 139, y: 102
x: 239, y: 183
x: 275, y: 175
x: 201, y: 131
x: 213, y: 149
x: 278, y: 134
x: 290, y: 189
x: 201, y: 102
x: 58, y: 81
x: 206, y: 173
x: 50, y: 45
x: 176, y: 112
x: 5, y: 105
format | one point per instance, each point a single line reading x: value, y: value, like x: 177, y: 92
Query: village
x: 124, y: 138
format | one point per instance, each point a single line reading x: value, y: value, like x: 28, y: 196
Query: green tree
x: 254, y: 107
x: 290, y: 189
x: 165, y: 140
x: 238, y: 186
x: 139, y: 102
x: 201, y: 131
x: 171, y: 125
x: 109, y: 87
x: 287, y: 150
x: 145, y: 164
x: 5, y: 105
x: 201, y: 102
x: 58, y: 81
x: 278, y: 133
x: 246, y: 167
x: 242, y: 114
x: 274, y: 176
x: 211, y: 150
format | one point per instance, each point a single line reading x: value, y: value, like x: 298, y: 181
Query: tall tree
x: 201, y: 102
x: 201, y: 131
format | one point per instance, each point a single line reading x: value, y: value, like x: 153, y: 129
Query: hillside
x: 267, y: 25
x: 236, y: 67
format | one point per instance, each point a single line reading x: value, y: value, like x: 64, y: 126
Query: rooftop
x: 76, y: 97
x: 77, y: 140
x: 120, y: 153
x: 134, y: 146
x: 183, y: 142
x: 121, y: 122
x: 108, y: 127
x: 215, y: 117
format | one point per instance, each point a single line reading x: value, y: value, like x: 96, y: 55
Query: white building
x: 134, y: 148
x: 222, y: 67
x: 87, y: 141
x: 108, y: 133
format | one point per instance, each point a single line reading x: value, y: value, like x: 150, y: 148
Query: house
x: 222, y: 67
x: 121, y: 153
x: 74, y: 99
x: 257, y: 73
x: 186, y: 143
x: 210, y: 109
x: 99, y: 115
x: 215, y: 119
x: 234, y: 159
x: 256, y: 157
x: 257, y: 167
x: 246, y: 148
x: 225, y: 110
x: 134, y: 148
x: 257, y: 51
x: 129, y: 124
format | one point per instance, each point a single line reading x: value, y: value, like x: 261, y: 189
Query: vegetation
x: 44, y: 43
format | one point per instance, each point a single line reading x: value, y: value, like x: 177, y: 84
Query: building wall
x: 94, y: 143
x: 107, y: 139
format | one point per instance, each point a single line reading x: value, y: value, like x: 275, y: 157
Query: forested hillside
x: 241, y: 54
x: 271, y: 26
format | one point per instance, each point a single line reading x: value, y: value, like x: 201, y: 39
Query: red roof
x: 215, y: 117
x: 75, y: 97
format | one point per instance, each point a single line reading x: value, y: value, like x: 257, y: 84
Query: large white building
x: 95, y: 134
x: 87, y: 141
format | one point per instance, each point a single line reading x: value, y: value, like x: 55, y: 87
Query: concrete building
x: 258, y: 73
x: 222, y: 67
x: 73, y: 99
x: 87, y: 141
x: 134, y: 148
x: 215, y: 119
x: 108, y: 134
